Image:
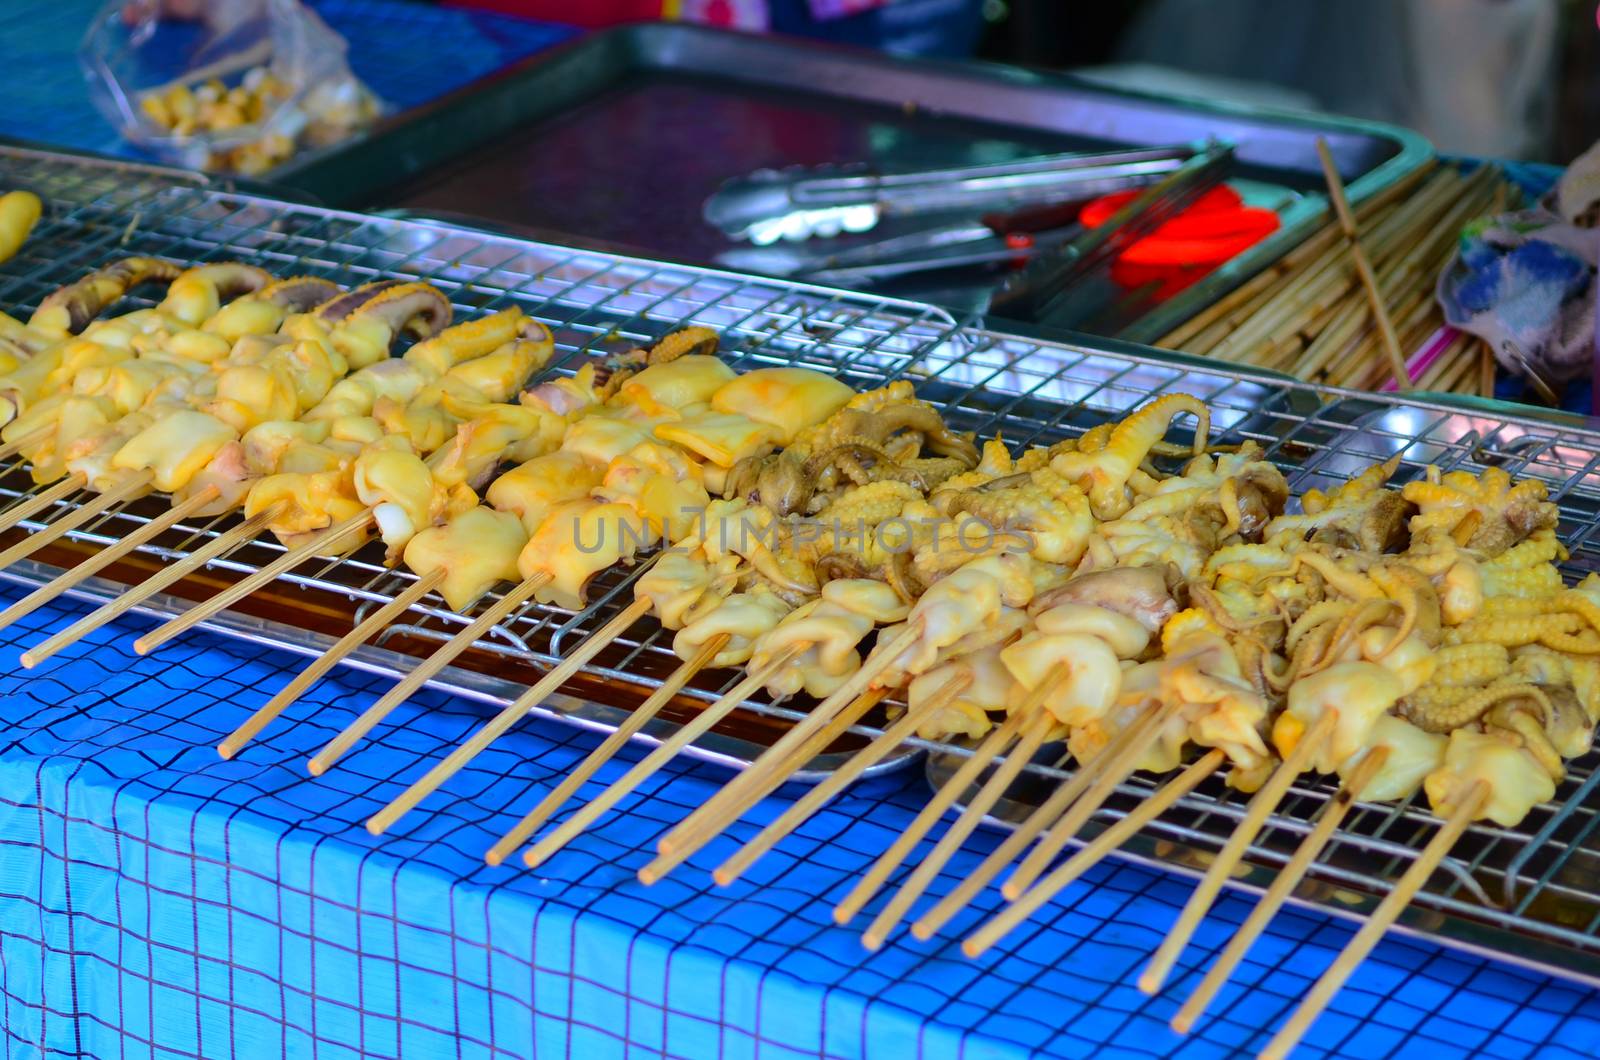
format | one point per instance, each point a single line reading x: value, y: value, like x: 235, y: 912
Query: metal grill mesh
x: 1533, y: 884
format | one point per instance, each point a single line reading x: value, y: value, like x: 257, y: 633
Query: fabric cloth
x: 1525, y: 281
x: 161, y: 902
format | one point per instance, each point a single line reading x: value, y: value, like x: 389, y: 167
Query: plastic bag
x: 242, y: 91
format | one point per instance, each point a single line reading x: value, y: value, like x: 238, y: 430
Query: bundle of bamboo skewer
x: 1310, y: 314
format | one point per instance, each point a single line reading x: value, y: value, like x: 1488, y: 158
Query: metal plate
x: 617, y: 140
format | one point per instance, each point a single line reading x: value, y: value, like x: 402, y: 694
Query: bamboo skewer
x: 103, y: 558
x: 646, y: 767
x: 1114, y: 772
x: 859, y: 763
x: 326, y: 661
x: 1045, y: 815
x: 1382, y: 918
x: 1094, y: 852
x: 942, y: 800
x: 773, y: 777
x: 245, y: 586
x: 1261, y: 805
x: 1314, y: 247
x: 637, y: 719
x: 497, y: 726
x: 221, y: 544
x: 737, y: 789
x: 424, y: 671
x: 28, y: 507
x: 75, y: 518
x: 1283, y: 886
x: 17, y: 445
x: 1033, y: 734
x: 1391, y: 342
x: 664, y: 863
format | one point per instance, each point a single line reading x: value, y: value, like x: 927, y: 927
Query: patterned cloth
x: 161, y: 902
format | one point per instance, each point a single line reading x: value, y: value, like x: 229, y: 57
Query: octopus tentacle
x: 1345, y: 581
x: 300, y: 294
x: 340, y: 307
x: 1433, y: 712
x: 68, y: 310
x: 1104, y: 472
x: 198, y: 292
x: 418, y: 307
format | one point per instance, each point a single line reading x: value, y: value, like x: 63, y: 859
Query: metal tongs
x: 1050, y: 291
x: 767, y: 206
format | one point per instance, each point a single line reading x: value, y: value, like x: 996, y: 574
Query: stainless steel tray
x: 1528, y: 894
x: 649, y: 120
x: 1545, y: 874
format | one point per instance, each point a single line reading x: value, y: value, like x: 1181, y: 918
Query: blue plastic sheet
x: 161, y: 902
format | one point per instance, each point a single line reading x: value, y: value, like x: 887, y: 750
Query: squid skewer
x: 953, y: 607
x: 149, y: 449
x: 1036, y: 726
x: 1070, y: 665
x: 745, y: 612
x: 1060, y: 800
x: 1092, y: 853
x: 839, y: 779
x: 651, y: 763
x: 1283, y: 886
x: 358, y: 636
x: 536, y: 574
x: 828, y: 629
x: 814, y: 745
x: 1260, y: 807
x: 784, y: 400
x: 637, y: 720
x: 677, y: 588
x: 474, y: 340
x: 1394, y: 903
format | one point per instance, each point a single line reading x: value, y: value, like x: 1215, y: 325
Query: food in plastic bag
x: 241, y: 91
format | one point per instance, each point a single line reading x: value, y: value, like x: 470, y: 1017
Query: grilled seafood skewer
x: 180, y: 445
x: 783, y: 400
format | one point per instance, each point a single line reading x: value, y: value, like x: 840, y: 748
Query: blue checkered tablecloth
x: 159, y: 902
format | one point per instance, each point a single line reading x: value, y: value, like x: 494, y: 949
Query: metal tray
x: 617, y: 139
x: 1536, y: 887
x: 1528, y: 894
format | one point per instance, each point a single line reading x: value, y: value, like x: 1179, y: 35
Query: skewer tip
x: 225, y: 751
x: 143, y: 647
x: 530, y: 860
x: 921, y: 931
x: 315, y: 766
x: 973, y: 948
x: 842, y: 916
x: 1010, y: 891
x: 1150, y: 982
x: 872, y: 942
x: 1183, y: 1022
x: 29, y: 660
x: 494, y: 859
x: 648, y: 876
x: 723, y: 878
x: 375, y: 826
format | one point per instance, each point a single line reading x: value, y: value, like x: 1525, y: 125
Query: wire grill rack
x: 1530, y: 893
